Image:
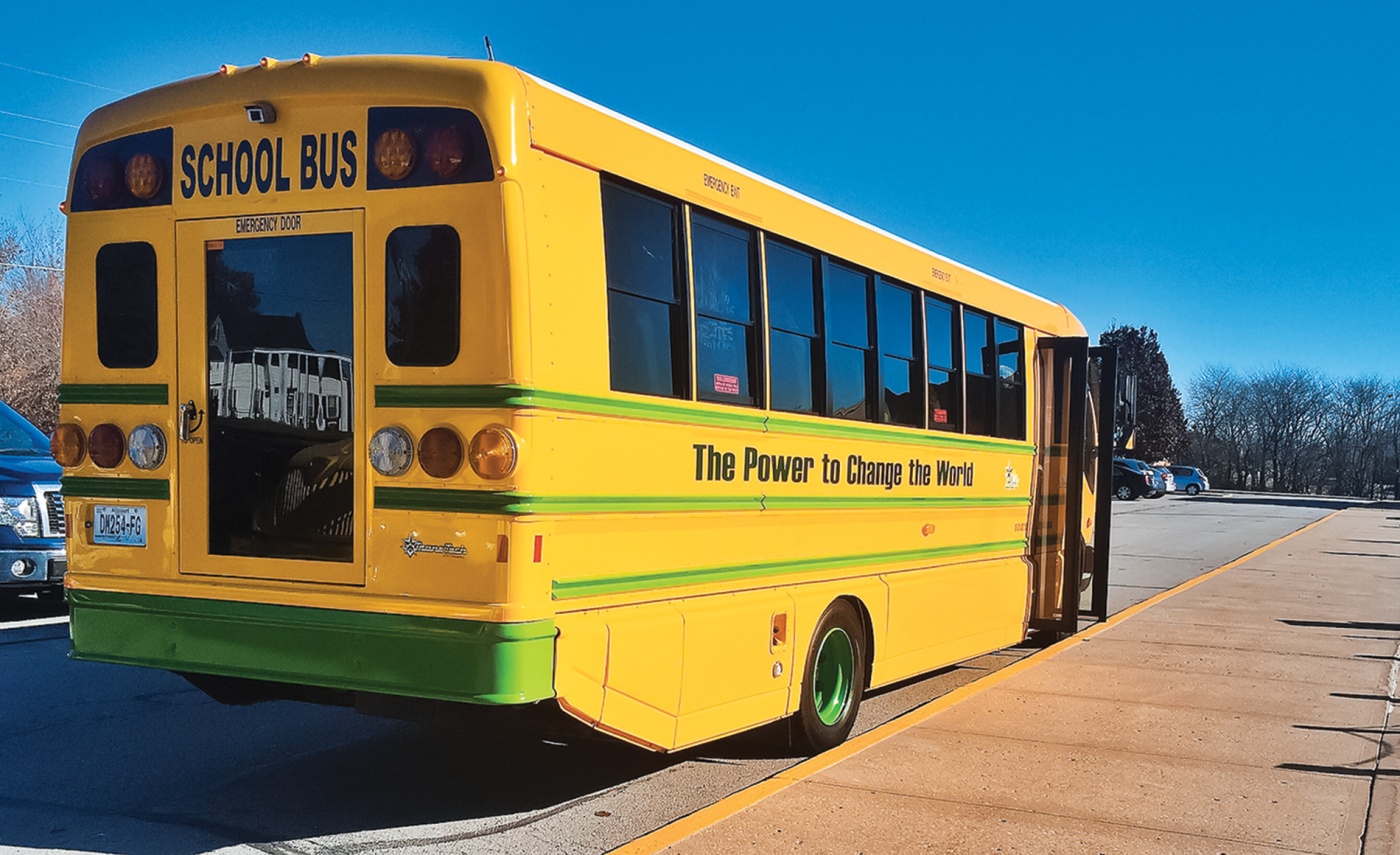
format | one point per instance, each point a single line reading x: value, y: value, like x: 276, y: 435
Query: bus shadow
x: 144, y: 763
x: 29, y: 607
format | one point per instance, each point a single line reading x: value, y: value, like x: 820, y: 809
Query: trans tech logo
x: 412, y: 546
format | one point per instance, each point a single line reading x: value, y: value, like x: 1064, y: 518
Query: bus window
x: 1011, y: 382
x: 422, y: 295
x: 795, y: 344
x: 848, y: 342
x: 901, y: 399
x: 944, y: 386
x: 126, y: 305
x: 981, y: 366
x: 726, y: 341
x: 647, y: 345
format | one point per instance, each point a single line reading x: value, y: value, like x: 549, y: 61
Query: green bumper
x: 455, y: 660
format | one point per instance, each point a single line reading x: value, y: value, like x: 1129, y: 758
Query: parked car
x: 32, y: 556
x: 1133, y: 479
x: 1168, y: 480
x: 1190, y: 479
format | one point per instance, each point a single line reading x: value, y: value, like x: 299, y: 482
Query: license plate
x: 119, y: 525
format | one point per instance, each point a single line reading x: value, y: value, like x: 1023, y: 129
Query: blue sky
x: 1228, y: 174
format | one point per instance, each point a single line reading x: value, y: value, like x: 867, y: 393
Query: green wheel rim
x: 832, y: 680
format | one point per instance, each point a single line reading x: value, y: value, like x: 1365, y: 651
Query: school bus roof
x: 561, y: 123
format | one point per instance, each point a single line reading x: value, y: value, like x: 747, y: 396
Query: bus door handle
x: 191, y: 418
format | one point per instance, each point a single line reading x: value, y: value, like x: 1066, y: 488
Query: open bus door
x: 1077, y: 393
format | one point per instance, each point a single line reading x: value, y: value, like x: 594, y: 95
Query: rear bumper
x: 454, y: 660
x: 43, y: 568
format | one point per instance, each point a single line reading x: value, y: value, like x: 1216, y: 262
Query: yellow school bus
x: 400, y: 379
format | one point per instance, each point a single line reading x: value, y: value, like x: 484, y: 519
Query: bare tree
x: 31, y: 318
x: 1291, y: 429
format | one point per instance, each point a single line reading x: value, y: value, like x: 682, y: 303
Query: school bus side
x: 686, y: 603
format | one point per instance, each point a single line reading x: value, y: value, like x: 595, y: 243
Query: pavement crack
x: 1382, y: 749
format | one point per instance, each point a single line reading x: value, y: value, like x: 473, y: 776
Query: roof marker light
x: 227, y: 69
x: 310, y: 58
x: 267, y: 62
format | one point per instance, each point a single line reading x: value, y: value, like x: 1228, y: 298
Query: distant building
x: 263, y: 367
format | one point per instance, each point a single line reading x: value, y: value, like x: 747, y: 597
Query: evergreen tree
x: 1161, y: 433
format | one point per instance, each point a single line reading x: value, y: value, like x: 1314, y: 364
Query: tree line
x: 1280, y: 429
x: 1293, y: 430
x: 31, y: 319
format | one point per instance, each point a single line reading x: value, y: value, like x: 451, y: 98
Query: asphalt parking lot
x: 103, y: 758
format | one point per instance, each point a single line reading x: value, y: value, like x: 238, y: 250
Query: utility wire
x: 37, y: 119
x: 34, y: 183
x: 59, y: 77
x: 36, y: 142
x: 32, y: 267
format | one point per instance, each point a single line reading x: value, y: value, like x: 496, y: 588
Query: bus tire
x: 834, y: 680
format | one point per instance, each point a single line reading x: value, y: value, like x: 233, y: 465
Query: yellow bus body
x: 607, y: 572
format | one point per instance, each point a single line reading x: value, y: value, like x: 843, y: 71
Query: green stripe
x: 116, y: 488
x: 494, y: 397
x: 839, y: 503
x: 573, y: 588
x: 113, y: 393
x: 479, y: 502
x: 449, y: 659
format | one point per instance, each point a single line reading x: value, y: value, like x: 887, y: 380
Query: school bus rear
x: 253, y: 257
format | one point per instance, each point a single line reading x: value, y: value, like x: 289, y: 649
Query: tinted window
x: 791, y: 290
x: 981, y: 358
x: 846, y: 380
x: 647, y: 342
x: 639, y: 239
x: 722, y: 269
x: 981, y: 363
x: 944, y: 400
x: 1011, y: 387
x: 422, y: 295
x: 902, y: 399
x: 902, y: 396
x: 280, y: 405
x: 641, y: 345
x: 1009, y: 352
x: 794, y: 342
x: 894, y: 314
x: 126, y: 305
x: 942, y: 333
x: 944, y: 388
x: 847, y: 315
x: 726, y: 343
x: 848, y: 351
x: 981, y: 405
x: 794, y: 379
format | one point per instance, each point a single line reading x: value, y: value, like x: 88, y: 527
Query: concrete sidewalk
x: 1249, y: 713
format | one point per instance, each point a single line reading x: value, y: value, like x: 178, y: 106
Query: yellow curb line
x: 677, y: 830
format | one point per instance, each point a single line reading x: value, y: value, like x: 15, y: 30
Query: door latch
x: 191, y: 419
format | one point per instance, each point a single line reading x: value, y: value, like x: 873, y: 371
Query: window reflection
x: 422, y: 295
x: 280, y: 400
x: 726, y: 350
